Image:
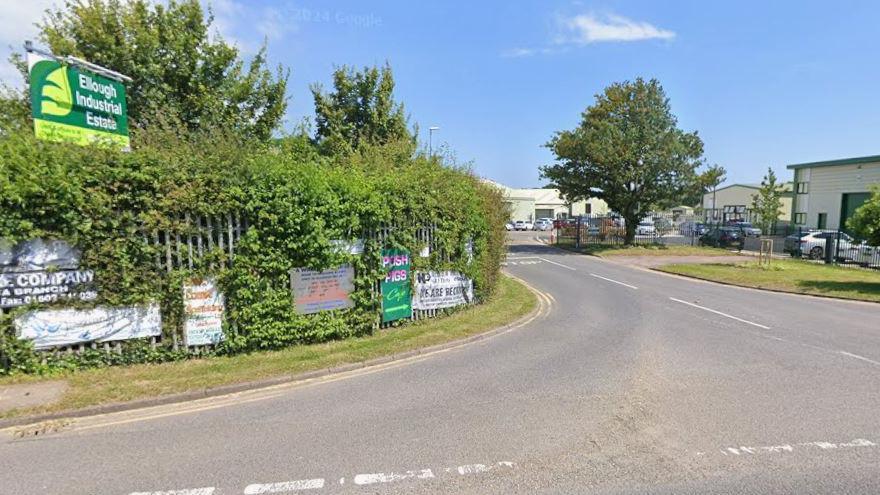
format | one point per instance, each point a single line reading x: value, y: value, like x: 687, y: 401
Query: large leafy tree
x: 360, y: 111
x: 767, y: 202
x: 628, y: 151
x: 181, y: 72
x: 865, y: 222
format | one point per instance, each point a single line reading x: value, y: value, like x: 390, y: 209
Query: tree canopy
x: 865, y: 222
x: 181, y: 71
x: 628, y: 151
x: 359, y: 111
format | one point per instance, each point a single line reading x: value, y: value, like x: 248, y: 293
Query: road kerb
x: 541, y: 309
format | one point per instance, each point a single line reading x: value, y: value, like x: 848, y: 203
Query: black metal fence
x: 659, y: 228
x: 829, y: 246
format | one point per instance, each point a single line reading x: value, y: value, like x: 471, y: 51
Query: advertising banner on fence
x: 203, y: 307
x: 59, y: 327
x: 396, y: 293
x: 436, y: 290
x: 42, y: 271
x: 73, y: 105
x: 315, y: 291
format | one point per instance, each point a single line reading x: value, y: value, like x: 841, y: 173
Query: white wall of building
x: 826, y: 186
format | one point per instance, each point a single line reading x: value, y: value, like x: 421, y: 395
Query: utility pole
x: 431, y: 139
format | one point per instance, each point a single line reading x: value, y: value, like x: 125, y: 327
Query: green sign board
x: 396, y: 292
x: 73, y: 105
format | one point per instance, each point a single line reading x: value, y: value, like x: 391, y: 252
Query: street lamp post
x: 431, y: 139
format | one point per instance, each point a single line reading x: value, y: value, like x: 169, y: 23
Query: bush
x: 105, y: 202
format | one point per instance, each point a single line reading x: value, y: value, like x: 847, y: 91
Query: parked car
x: 747, y: 228
x: 543, y: 224
x: 509, y: 226
x: 645, y: 228
x: 811, y: 243
x: 522, y: 225
x: 724, y: 237
x: 693, y: 229
x: 662, y: 225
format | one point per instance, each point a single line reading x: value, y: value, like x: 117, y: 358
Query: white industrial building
x: 532, y: 203
x: 828, y: 192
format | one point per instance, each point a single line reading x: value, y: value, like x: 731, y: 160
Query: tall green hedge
x: 295, y: 202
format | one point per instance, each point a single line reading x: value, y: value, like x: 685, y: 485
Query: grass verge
x: 800, y: 277
x: 646, y: 250
x: 118, y: 384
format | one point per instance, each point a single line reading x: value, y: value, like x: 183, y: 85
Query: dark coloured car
x: 693, y: 229
x: 724, y: 237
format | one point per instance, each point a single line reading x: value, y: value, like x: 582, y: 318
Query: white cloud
x: 519, y: 52
x: 17, y: 24
x: 589, y: 28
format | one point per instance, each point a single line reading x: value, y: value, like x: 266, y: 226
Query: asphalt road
x: 629, y: 382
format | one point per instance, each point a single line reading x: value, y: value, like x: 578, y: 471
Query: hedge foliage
x: 295, y: 201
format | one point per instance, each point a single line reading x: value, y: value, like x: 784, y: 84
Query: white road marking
x: 369, y: 479
x: 473, y: 469
x: 790, y: 448
x: 284, y: 486
x: 192, y: 491
x: 557, y: 264
x: 856, y: 356
x: 614, y: 281
x: 721, y: 314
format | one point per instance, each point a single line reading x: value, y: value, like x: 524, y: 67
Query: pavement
x: 628, y: 381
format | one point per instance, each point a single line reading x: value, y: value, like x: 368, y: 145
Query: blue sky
x: 764, y: 83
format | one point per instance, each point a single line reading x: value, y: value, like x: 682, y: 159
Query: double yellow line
x: 79, y: 425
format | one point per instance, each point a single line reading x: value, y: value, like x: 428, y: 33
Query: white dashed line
x: 557, y: 264
x: 614, y: 281
x: 360, y: 479
x: 856, y: 356
x: 790, y: 448
x: 284, y: 486
x: 191, y: 491
x: 473, y: 469
x: 372, y: 478
x: 721, y: 314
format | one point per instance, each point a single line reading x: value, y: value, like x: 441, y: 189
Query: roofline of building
x: 833, y: 163
x: 749, y: 186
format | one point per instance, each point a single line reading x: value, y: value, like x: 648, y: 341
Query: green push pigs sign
x: 396, y: 293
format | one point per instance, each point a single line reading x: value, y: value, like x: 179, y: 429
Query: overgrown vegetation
x: 296, y: 203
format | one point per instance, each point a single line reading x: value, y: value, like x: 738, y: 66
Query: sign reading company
x: 42, y: 271
x: 396, y: 292
x: 73, y: 105
x: 203, y: 306
x: 436, y: 290
x: 324, y: 290
x: 60, y: 327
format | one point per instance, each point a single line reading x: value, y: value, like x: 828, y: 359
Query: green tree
x: 767, y: 202
x: 181, y: 72
x: 627, y: 151
x: 360, y: 111
x: 865, y: 222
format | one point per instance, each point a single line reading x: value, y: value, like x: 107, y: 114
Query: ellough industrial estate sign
x: 73, y: 105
